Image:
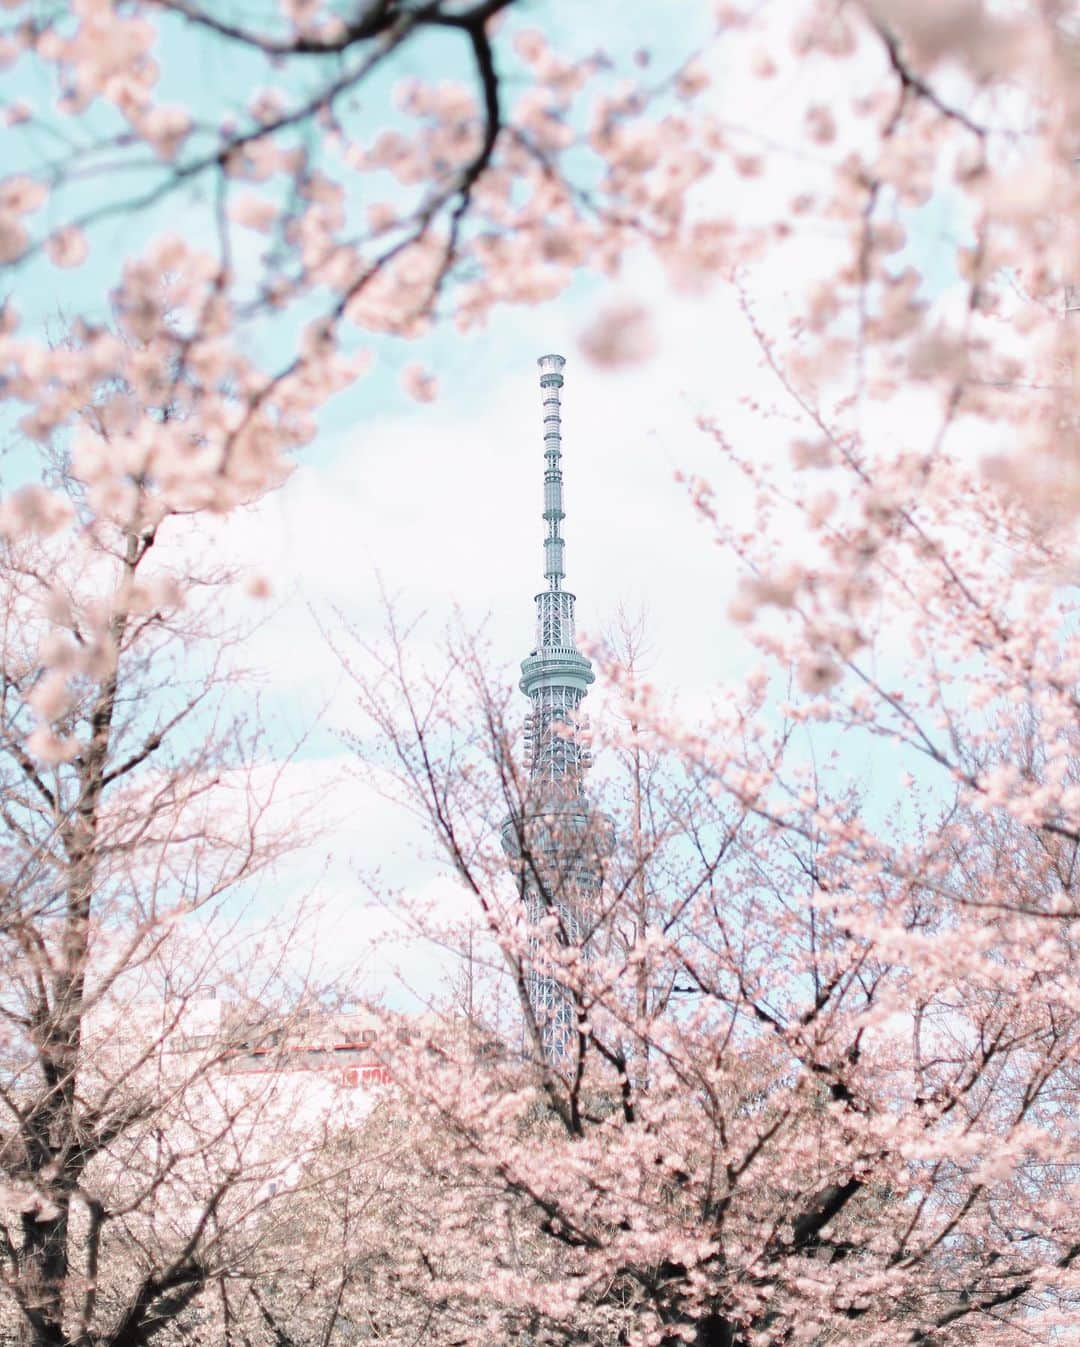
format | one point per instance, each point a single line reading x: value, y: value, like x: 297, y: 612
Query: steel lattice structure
x: 557, y: 842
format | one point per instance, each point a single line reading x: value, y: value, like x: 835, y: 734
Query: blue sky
x: 440, y: 503
x: 215, y: 79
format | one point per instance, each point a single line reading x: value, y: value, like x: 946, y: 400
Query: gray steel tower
x: 557, y: 842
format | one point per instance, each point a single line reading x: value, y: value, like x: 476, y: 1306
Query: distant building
x: 341, y: 1045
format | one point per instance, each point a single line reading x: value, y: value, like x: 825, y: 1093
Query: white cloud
x: 443, y: 500
x: 443, y: 503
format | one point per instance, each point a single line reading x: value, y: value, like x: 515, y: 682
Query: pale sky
x: 439, y: 503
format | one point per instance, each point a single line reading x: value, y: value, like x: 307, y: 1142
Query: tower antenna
x: 551, y: 381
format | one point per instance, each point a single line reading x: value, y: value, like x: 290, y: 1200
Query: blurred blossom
x: 621, y: 334
x: 419, y: 383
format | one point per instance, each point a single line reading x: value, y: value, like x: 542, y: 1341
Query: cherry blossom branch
x: 913, y: 83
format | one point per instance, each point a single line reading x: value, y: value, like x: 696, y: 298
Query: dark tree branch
x: 914, y: 83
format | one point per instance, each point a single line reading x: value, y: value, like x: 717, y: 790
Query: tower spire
x: 551, y: 380
x: 556, y: 674
x: 557, y: 841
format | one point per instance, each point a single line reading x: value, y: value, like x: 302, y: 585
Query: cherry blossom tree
x: 341, y: 1258
x: 825, y: 1032
x: 324, y: 208
x: 839, y: 1111
x: 137, y: 1159
x: 322, y: 213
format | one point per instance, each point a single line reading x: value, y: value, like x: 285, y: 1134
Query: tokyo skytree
x: 557, y: 843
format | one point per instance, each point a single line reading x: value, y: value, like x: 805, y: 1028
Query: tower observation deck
x: 557, y: 843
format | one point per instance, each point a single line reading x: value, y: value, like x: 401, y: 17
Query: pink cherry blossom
x: 253, y: 212
x: 68, y: 248
x: 50, y: 748
x: 619, y: 335
x: 50, y: 697
x: 419, y: 383
x: 166, y: 127
x: 33, y: 509
x: 13, y: 239
x: 21, y: 195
